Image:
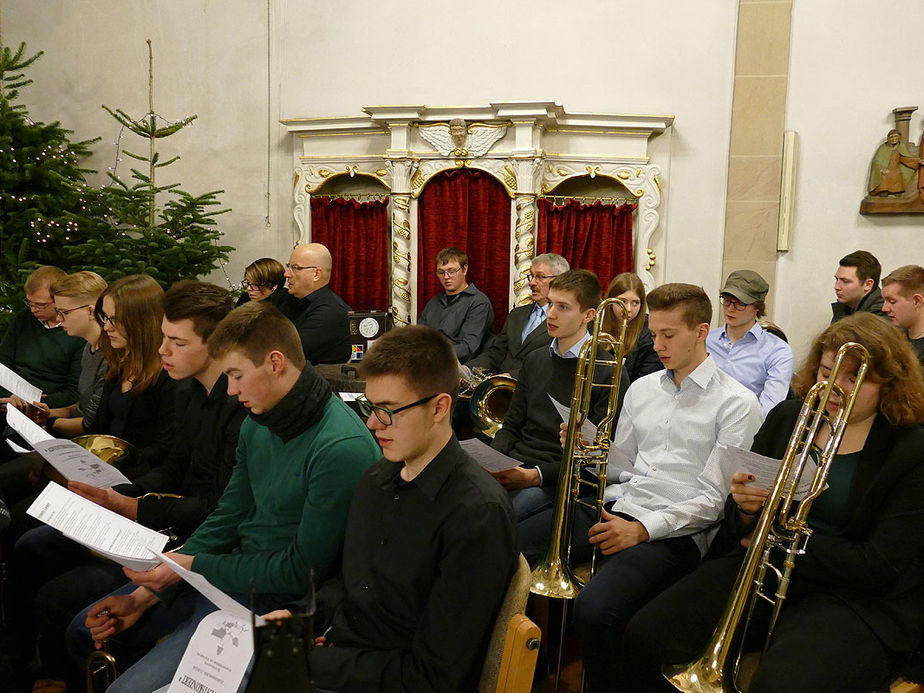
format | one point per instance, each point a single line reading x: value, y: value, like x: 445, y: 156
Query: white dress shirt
x: 669, y: 434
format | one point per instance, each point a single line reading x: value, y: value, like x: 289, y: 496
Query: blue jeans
x: 530, y: 501
x: 624, y: 583
x: 177, y: 622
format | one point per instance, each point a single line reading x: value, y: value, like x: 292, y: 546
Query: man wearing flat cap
x: 760, y: 361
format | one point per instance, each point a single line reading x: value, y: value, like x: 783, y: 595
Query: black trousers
x: 819, y: 644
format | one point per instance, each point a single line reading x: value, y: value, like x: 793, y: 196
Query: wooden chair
x: 511, y: 657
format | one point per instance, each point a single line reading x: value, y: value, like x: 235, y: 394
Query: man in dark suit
x: 525, y: 328
x: 320, y: 316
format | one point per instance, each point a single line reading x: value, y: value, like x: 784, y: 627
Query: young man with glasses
x: 524, y: 331
x: 282, y: 515
x: 430, y: 546
x: 460, y: 311
x: 760, y: 361
x: 320, y: 316
x: 37, y: 349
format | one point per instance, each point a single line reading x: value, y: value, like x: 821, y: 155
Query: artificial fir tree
x: 42, y: 188
x: 155, y: 229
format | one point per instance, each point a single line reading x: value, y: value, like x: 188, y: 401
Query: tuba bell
x: 489, y: 398
x: 554, y: 577
x: 782, y: 525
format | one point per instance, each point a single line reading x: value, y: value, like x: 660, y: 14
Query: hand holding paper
x: 158, y: 578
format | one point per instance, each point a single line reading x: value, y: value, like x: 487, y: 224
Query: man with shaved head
x: 320, y: 315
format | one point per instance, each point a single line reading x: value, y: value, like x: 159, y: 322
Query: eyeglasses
x: 540, y: 277
x: 385, y: 416
x: 67, y: 311
x: 730, y: 302
x: 106, y: 319
x: 36, y: 305
x: 253, y: 287
x: 448, y: 272
x: 299, y: 268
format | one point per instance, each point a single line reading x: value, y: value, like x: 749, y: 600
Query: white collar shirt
x: 669, y: 435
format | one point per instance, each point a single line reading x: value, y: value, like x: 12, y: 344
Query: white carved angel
x: 455, y: 139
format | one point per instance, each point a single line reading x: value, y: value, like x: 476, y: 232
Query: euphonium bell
x: 489, y: 398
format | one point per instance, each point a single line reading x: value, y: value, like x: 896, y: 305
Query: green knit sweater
x: 284, y: 510
x: 47, y: 358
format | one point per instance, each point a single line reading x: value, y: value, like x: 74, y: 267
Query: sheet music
x: 19, y: 386
x: 217, y: 655
x: 26, y: 427
x: 490, y: 459
x: 588, y: 430
x: 208, y: 590
x: 764, y: 469
x: 108, y: 533
x: 79, y: 464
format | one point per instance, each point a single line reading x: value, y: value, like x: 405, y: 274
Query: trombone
x: 781, y: 525
x: 554, y: 576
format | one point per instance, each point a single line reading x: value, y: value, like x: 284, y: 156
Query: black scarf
x: 300, y: 409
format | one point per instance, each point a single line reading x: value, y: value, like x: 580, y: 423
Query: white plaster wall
x: 332, y: 58
x: 852, y: 62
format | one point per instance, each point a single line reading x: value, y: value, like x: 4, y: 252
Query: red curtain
x: 470, y: 210
x: 595, y: 237
x: 356, y: 233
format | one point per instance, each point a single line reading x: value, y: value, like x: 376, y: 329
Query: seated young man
x: 531, y: 426
x: 430, y: 546
x: 198, y: 467
x: 903, y: 304
x: 658, y: 518
x: 299, y: 456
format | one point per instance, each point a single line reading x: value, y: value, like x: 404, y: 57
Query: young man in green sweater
x: 299, y: 457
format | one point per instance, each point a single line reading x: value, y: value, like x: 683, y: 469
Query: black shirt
x: 426, y: 564
x: 200, y: 462
x: 323, y: 323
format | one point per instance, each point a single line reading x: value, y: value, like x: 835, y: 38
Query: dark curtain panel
x: 595, y: 237
x: 470, y: 210
x: 356, y: 233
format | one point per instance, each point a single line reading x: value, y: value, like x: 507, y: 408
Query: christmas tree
x: 152, y: 229
x: 42, y: 186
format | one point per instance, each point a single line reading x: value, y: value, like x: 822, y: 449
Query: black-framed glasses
x: 541, y: 277
x: 299, y: 268
x: 106, y: 319
x: 729, y: 302
x: 37, y: 305
x: 448, y: 272
x: 251, y: 286
x: 67, y: 311
x: 386, y: 416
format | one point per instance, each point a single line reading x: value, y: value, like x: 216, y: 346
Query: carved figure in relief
x: 457, y: 139
x: 894, y: 166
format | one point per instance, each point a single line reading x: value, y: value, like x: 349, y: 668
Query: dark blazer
x: 874, y: 565
x: 149, y: 422
x: 871, y: 303
x: 323, y: 323
x: 507, y: 352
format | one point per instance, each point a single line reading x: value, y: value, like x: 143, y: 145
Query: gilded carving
x: 402, y: 227
x: 325, y: 172
x: 381, y: 172
x: 510, y: 178
x: 651, y: 259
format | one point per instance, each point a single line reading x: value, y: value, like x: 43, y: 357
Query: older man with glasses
x: 460, y: 311
x: 320, y: 316
x: 760, y: 361
x: 37, y: 349
x: 524, y: 331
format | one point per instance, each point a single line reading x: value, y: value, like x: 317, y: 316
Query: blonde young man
x: 658, y: 517
x: 903, y: 303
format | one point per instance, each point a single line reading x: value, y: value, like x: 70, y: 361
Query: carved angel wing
x: 439, y: 138
x: 482, y: 138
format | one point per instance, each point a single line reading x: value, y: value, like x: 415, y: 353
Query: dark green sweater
x: 285, y: 507
x: 47, y: 358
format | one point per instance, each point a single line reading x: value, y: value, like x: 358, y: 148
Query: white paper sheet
x: 18, y: 448
x: 108, y: 533
x: 26, y: 427
x: 490, y: 459
x: 79, y: 464
x: 765, y: 469
x: 19, y: 386
x: 588, y: 430
x: 216, y: 657
x: 349, y: 396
